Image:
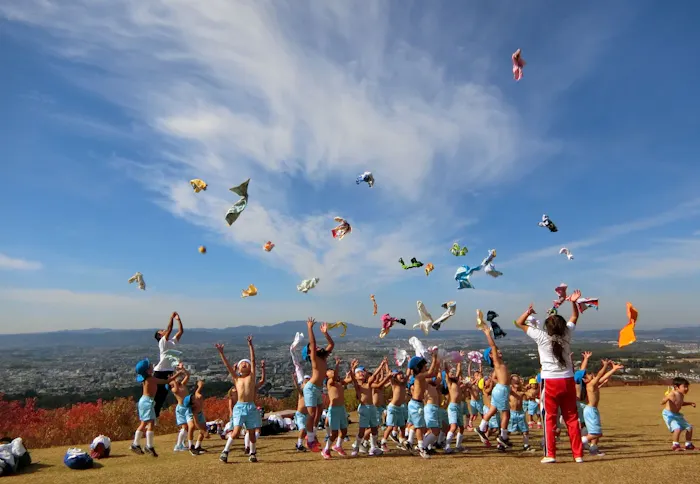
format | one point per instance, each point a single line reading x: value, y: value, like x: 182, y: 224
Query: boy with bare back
x: 364, y: 387
x: 244, y: 411
x: 674, y: 419
x: 312, y: 389
x: 419, y: 384
x: 476, y: 400
x: 302, y: 413
x: 395, y: 418
x: 433, y: 398
x: 499, y: 394
x: 591, y: 415
x: 336, y: 410
x: 182, y: 413
x: 455, y: 408
x: 147, y: 405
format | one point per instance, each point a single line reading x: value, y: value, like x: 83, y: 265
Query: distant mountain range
x: 284, y: 332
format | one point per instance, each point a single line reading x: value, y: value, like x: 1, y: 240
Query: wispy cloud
x: 287, y: 90
x: 686, y: 210
x: 10, y: 263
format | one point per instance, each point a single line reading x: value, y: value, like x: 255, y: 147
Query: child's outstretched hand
x: 324, y: 328
x: 574, y: 297
x: 586, y: 354
x: 338, y: 360
x: 531, y: 309
x: 617, y: 366
x: 262, y: 364
x: 310, y: 322
x: 219, y: 347
x: 354, y: 364
x: 249, y: 339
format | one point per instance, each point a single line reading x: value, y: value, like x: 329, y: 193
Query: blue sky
x: 110, y: 108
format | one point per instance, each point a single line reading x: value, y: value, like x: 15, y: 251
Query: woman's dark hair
x: 555, y: 326
x: 158, y: 336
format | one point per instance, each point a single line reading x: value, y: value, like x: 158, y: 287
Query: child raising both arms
x: 147, y: 405
x: 312, y: 389
x: 419, y: 385
x: 182, y: 413
x: 591, y: 415
x: 455, y: 409
x: 499, y: 394
x: 674, y: 419
x: 336, y: 410
x: 244, y: 411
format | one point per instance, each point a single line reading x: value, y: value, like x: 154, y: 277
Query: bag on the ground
x: 76, y: 459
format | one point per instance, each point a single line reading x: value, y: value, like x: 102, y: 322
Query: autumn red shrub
x: 80, y: 423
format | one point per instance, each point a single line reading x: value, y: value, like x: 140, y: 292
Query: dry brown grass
x: 636, y: 443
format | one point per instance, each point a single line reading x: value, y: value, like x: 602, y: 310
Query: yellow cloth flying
x: 627, y: 335
x: 339, y: 324
x: 198, y: 185
x: 429, y: 268
x: 251, y: 291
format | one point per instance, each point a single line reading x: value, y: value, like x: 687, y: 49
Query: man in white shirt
x: 164, y: 369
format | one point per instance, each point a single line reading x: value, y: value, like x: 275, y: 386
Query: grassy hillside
x: 636, y: 442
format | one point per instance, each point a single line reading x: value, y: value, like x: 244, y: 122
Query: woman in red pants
x: 558, y: 389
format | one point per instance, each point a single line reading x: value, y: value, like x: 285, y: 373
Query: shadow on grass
x: 34, y: 467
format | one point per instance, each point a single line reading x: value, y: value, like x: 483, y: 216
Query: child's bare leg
x: 688, y: 435
x: 358, y: 440
x: 311, y: 423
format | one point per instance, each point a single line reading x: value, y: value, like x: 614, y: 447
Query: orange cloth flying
x: 627, y: 333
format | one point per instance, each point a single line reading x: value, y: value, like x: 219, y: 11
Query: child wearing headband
x: 312, y: 389
x: 244, y: 411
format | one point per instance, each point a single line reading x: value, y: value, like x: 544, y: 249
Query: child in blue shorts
x: 395, y: 416
x: 455, y: 409
x: 418, y: 384
x: 147, y: 405
x: 517, y: 415
x: 245, y: 413
x: 500, y: 393
x: 179, y: 389
x: 591, y: 415
x: 302, y: 413
x: 674, y: 400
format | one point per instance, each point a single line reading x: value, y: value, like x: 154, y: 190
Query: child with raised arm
x: 302, y: 413
x: 499, y: 394
x: 366, y: 411
x: 674, y: 419
x: 261, y: 383
x: 147, y: 405
x: 433, y: 399
x: 395, y: 418
x: 182, y: 412
x: 455, y: 408
x: 517, y: 415
x: 419, y: 383
x: 312, y: 389
x: 244, y: 411
x: 591, y: 415
x: 336, y: 410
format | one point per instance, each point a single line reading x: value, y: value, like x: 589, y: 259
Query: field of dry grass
x: 636, y: 443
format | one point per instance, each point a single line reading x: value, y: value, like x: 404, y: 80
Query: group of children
x: 431, y: 404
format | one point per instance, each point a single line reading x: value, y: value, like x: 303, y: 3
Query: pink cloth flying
x: 518, y: 64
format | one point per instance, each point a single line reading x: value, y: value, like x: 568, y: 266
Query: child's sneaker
x: 548, y: 460
x: 180, y: 448
x: 482, y: 435
x: 674, y: 447
x: 449, y: 451
x: 301, y: 448
x: 501, y: 447
x: 314, y: 446
x: 246, y: 450
x: 461, y: 449
x: 252, y: 458
x: 424, y: 454
x: 689, y: 446
x: 339, y: 450
x: 136, y: 449
x: 224, y: 456
x: 579, y: 460
x: 354, y: 451
x: 152, y: 451
x: 504, y: 442
x: 375, y: 451
x: 194, y: 451
x: 325, y: 454
x: 385, y: 448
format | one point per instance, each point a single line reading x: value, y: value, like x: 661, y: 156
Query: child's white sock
x: 687, y: 442
x: 676, y: 443
x: 394, y: 433
x: 252, y: 448
x: 483, y: 425
x: 448, y: 439
x: 407, y: 431
x: 373, y: 441
x: 504, y: 433
x: 584, y: 440
x: 229, y: 442
x: 339, y: 442
x: 137, y: 438
x: 181, y: 437
x: 300, y: 442
x: 328, y: 445
x: 246, y: 440
x: 356, y: 445
x: 526, y: 439
x: 310, y: 436
x: 383, y: 441
x: 149, y: 438
x: 189, y: 442
x: 420, y: 444
x: 459, y: 440
x: 257, y: 435
x: 441, y: 437
x: 198, y: 444
x: 411, y: 436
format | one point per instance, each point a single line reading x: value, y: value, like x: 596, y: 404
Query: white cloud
x: 10, y: 263
x: 685, y: 210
